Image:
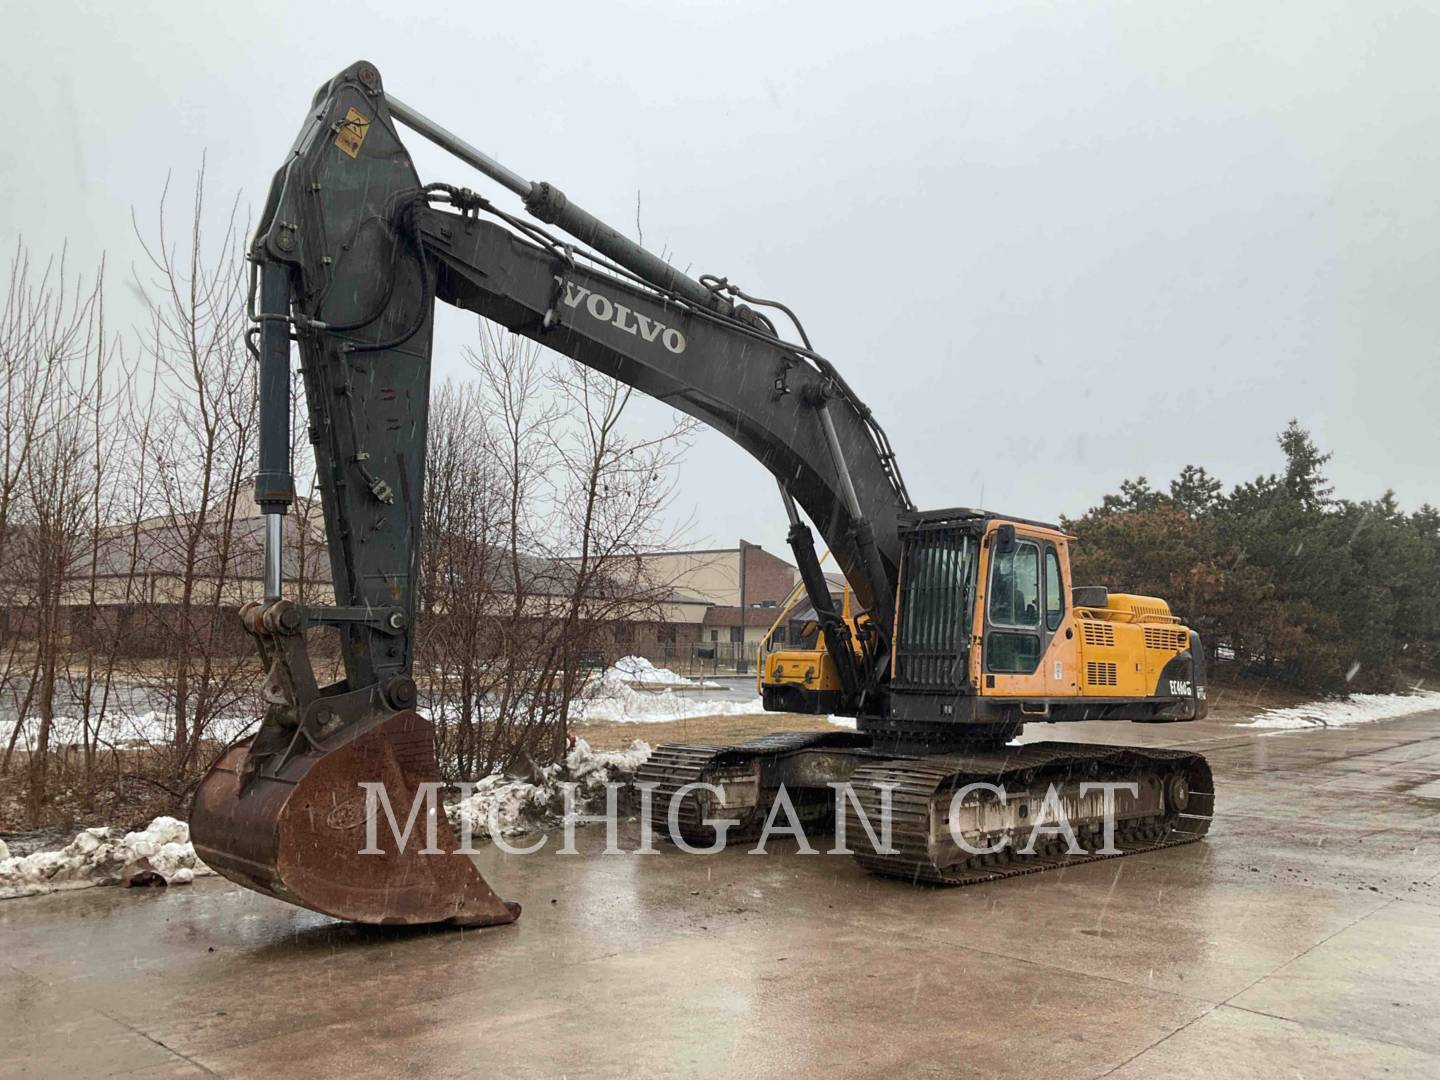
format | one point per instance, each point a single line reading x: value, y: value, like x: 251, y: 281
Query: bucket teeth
x: 300, y: 834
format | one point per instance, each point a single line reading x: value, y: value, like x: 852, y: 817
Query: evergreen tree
x: 1135, y: 495
x: 1303, y: 463
x: 1321, y: 592
x: 1195, y: 491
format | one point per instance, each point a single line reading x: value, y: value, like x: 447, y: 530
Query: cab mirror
x: 1004, y: 540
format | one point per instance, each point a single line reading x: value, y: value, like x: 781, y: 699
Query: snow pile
x: 515, y: 806
x: 626, y: 694
x: 639, y: 669
x: 160, y: 853
x: 1356, y: 709
x: 615, y: 701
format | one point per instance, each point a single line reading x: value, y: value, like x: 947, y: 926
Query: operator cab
x: 990, y: 629
x: 991, y: 633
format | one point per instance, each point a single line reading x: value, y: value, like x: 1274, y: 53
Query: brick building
x: 733, y: 597
x: 716, y: 604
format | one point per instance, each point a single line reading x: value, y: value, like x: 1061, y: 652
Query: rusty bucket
x: 296, y: 831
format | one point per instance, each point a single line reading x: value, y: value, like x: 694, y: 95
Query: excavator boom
x: 349, y: 257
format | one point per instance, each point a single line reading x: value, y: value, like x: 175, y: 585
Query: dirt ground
x: 1301, y: 938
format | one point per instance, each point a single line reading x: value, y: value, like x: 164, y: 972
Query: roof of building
x: 724, y: 615
x: 735, y: 550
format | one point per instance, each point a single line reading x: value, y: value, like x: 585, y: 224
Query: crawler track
x: 675, y: 765
x: 670, y: 768
x: 917, y: 781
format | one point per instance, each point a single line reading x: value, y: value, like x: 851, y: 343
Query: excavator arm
x: 350, y: 255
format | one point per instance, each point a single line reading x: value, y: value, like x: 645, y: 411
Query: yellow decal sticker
x: 351, y: 132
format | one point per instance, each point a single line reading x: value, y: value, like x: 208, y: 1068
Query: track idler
x: 293, y: 826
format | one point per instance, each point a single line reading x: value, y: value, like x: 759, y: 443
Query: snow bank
x: 160, y: 853
x: 617, y: 702
x: 514, y: 806
x: 639, y: 669
x: 129, y: 730
x: 1356, y: 709
x: 635, y: 691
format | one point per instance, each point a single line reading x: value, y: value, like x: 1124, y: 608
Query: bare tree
x: 52, y: 346
x: 104, y: 389
x: 488, y: 498
x: 616, y: 489
x: 537, y: 504
x: 51, y: 545
x: 201, y: 443
x: 461, y: 549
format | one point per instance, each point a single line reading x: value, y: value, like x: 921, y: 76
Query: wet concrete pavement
x: 1301, y: 939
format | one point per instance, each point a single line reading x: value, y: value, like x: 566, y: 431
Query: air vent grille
x: 1097, y: 633
x: 1158, y: 638
x: 1101, y: 673
x: 1155, y: 611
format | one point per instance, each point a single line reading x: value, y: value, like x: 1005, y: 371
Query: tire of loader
x: 297, y: 835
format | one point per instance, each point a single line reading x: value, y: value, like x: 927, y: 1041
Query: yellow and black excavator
x: 965, y: 624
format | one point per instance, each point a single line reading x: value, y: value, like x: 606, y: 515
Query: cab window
x: 1015, y: 587
x: 1011, y: 653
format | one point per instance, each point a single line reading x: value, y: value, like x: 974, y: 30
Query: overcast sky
x: 1052, y: 245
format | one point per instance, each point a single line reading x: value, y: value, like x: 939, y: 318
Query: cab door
x: 1029, y: 639
x: 1015, y: 636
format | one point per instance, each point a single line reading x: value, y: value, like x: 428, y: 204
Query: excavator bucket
x: 299, y: 833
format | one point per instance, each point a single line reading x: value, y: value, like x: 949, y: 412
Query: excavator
x: 963, y: 627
